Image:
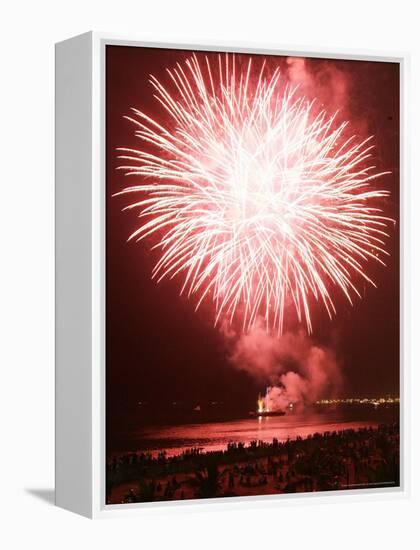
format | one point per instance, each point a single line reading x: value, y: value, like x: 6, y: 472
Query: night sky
x: 158, y: 349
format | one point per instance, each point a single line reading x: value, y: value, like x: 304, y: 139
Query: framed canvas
x: 229, y: 275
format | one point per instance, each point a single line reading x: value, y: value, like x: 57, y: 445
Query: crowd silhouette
x: 348, y: 459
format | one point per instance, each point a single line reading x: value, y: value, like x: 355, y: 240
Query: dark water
x: 214, y: 436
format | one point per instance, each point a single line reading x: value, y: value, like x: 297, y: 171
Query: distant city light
x: 360, y: 401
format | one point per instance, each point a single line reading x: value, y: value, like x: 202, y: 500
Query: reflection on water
x: 216, y: 435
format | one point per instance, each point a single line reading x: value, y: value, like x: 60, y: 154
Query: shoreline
x: 307, y: 431
x: 174, y: 438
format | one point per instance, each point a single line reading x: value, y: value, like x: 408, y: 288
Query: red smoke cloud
x: 328, y: 84
x: 331, y: 87
x: 296, y: 370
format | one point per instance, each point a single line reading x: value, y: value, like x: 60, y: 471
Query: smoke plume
x: 328, y: 83
x: 295, y: 369
x: 331, y: 86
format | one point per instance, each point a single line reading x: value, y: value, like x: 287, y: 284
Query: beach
x: 352, y: 457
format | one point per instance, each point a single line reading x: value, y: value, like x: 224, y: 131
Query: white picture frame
x: 80, y: 276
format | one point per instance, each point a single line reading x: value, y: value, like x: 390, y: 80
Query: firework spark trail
x: 257, y: 199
